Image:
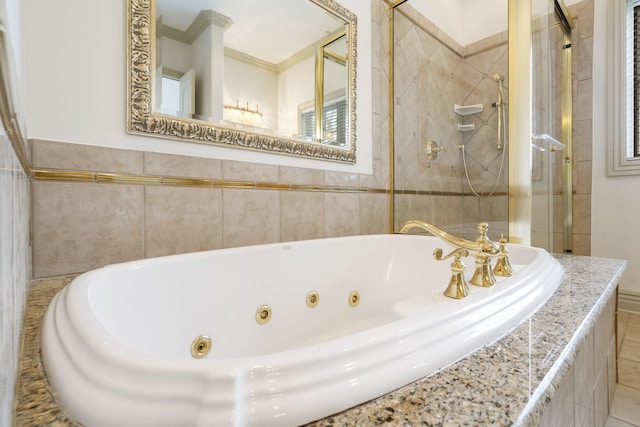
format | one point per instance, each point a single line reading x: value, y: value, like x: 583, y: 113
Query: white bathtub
x: 116, y: 342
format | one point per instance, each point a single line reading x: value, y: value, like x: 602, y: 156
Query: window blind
x: 334, y: 123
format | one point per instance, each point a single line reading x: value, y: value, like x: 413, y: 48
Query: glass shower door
x: 551, y: 127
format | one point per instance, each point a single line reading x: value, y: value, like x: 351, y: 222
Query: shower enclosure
x: 551, y: 225
x: 450, y: 122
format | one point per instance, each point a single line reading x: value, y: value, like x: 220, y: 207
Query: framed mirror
x: 269, y: 76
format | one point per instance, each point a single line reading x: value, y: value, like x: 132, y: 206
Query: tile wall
x: 15, y: 264
x: 79, y: 226
x: 582, y: 57
x: 432, y: 73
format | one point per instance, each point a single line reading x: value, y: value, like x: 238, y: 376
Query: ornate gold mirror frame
x: 142, y: 119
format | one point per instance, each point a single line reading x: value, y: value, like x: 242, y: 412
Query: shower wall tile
x: 582, y: 214
x: 583, y: 177
x: 585, y: 53
x: 301, y: 215
x: 583, y: 140
x: 584, y: 106
x: 81, y: 226
x: 179, y: 220
x: 250, y: 217
x: 181, y: 166
x: 581, y: 244
x: 62, y: 155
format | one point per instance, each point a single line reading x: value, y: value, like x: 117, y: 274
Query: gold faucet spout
x: 481, y: 244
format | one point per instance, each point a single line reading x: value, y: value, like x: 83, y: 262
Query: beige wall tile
x: 585, y: 58
x: 584, y: 373
x: 81, y: 226
x: 250, y: 217
x: 612, y: 373
x: 623, y: 323
x: 601, y: 397
x: 62, y: 155
x: 291, y: 175
x: 581, y: 244
x: 179, y: 220
x: 374, y: 213
x: 583, y: 184
x: 583, y: 140
x: 604, y: 331
x: 581, y: 214
x: 182, y: 166
x: 561, y: 408
x: 302, y: 215
x: 584, y: 108
x: 243, y: 171
x: 344, y: 179
x: 341, y: 214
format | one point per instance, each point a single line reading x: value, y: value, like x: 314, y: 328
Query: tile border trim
x: 157, y: 180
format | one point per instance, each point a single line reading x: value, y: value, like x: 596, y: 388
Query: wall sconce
x: 246, y: 109
x: 243, y: 115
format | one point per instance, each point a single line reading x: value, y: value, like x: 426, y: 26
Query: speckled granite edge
x: 35, y: 403
x: 488, y: 387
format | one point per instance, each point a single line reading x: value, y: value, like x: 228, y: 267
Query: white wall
x: 75, y: 77
x: 466, y: 21
x: 295, y: 87
x: 250, y: 83
x: 615, y: 202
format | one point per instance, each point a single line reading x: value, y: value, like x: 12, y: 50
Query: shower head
x: 497, y: 78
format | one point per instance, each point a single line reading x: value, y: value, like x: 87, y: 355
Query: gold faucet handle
x: 458, y: 253
x: 484, y: 243
x: 458, y: 287
x: 503, y: 266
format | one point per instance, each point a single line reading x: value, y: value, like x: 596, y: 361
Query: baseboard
x: 629, y: 301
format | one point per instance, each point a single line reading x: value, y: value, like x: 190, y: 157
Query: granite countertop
x: 507, y: 382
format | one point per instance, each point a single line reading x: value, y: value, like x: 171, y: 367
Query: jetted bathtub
x: 297, y: 331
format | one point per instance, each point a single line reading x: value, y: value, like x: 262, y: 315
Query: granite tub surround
x: 520, y: 379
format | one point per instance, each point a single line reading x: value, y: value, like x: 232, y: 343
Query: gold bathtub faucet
x: 482, y: 248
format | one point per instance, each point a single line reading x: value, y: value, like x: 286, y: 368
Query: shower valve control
x: 432, y: 149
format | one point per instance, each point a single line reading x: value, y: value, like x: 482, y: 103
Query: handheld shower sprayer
x: 499, y: 104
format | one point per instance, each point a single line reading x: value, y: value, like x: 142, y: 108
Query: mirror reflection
x: 278, y: 69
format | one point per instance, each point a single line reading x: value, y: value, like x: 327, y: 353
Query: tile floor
x: 625, y: 411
